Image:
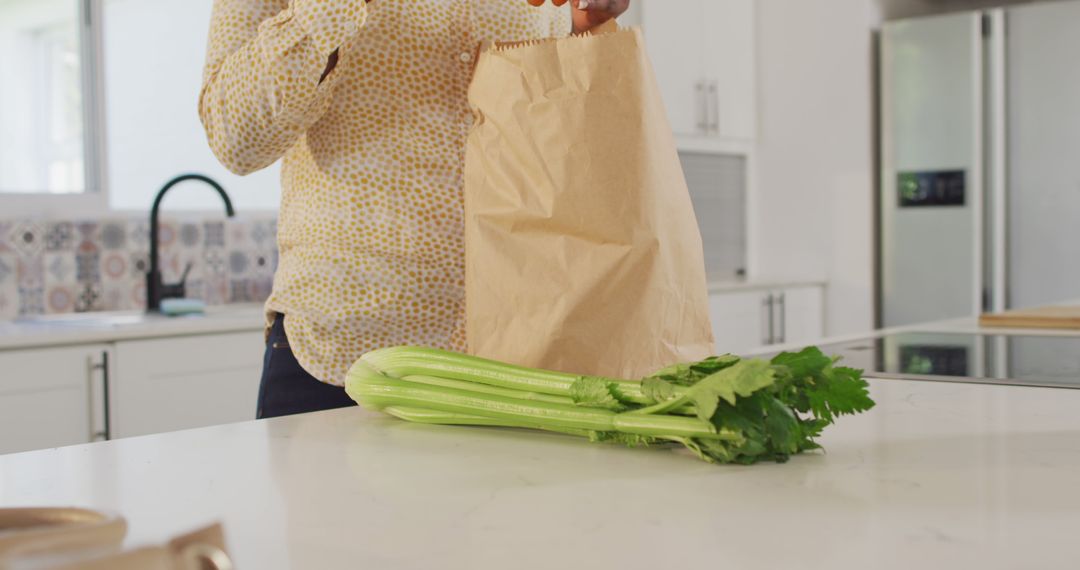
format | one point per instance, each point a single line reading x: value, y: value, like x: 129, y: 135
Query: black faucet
x: 156, y: 289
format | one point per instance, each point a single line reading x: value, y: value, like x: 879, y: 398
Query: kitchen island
x: 939, y: 475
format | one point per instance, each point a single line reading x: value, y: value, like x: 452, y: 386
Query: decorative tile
x: 114, y: 266
x: 239, y: 263
x: 31, y: 301
x: 138, y: 295
x: 30, y: 271
x: 215, y: 290
x: 60, y: 267
x: 60, y: 299
x: 27, y: 238
x: 9, y: 290
x: 195, y: 259
x: 236, y: 234
x: 260, y: 233
x: 262, y: 264
x: 140, y: 264
x: 116, y: 297
x: 88, y: 232
x: 88, y: 267
x: 240, y: 291
x: 166, y: 234
x: 9, y: 303
x: 89, y: 298
x: 214, y: 262
x: 260, y: 288
x: 59, y: 236
x: 114, y: 235
x: 190, y: 234
x: 214, y: 234
x: 5, y: 232
x: 7, y: 267
x: 195, y: 288
x: 171, y: 267
x: 139, y: 234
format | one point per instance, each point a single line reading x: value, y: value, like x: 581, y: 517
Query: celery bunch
x: 724, y: 409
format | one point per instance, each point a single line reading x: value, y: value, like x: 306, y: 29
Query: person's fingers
x: 597, y: 5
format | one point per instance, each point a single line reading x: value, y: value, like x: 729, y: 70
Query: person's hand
x: 587, y: 14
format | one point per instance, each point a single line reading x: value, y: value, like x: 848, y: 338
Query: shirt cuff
x: 330, y: 23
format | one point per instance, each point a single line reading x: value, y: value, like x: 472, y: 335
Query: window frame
x: 94, y: 199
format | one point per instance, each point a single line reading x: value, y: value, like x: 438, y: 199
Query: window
x: 47, y: 143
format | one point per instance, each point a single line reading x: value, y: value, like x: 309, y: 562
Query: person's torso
x: 371, y: 227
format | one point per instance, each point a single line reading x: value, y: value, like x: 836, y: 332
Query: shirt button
x: 351, y: 28
x: 465, y: 57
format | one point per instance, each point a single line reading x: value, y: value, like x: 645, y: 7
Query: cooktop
x: 1028, y: 360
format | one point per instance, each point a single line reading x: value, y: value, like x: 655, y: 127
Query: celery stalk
x: 723, y: 409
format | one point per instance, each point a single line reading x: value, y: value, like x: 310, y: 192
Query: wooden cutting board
x: 1053, y: 317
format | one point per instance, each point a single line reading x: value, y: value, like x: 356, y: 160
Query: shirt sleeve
x: 261, y: 85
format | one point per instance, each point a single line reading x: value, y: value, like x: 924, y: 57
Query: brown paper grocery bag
x: 582, y: 251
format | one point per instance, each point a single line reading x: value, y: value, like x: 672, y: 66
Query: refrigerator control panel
x: 931, y: 188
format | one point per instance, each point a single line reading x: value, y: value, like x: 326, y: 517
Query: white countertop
x: 89, y: 328
x: 937, y: 476
x: 727, y: 285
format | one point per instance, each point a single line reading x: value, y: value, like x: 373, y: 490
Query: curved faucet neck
x: 154, y: 283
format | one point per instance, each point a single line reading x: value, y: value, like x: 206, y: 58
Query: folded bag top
x: 582, y: 249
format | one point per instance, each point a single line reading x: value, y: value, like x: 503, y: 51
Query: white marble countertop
x: 937, y: 476
x: 89, y: 328
x: 728, y: 285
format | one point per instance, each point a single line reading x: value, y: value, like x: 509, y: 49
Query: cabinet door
x: 800, y: 315
x: 729, y: 61
x: 739, y: 321
x: 675, y: 36
x: 185, y: 382
x: 50, y: 397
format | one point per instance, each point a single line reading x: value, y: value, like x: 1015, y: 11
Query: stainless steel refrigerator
x: 979, y: 162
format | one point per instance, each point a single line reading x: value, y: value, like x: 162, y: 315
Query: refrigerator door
x: 1042, y: 50
x: 932, y: 168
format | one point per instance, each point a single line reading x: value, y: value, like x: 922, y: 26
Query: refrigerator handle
x: 701, y: 106
x: 767, y: 313
x: 782, y: 336
x: 714, y: 108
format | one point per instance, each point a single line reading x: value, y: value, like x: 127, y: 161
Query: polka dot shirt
x: 370, y: 231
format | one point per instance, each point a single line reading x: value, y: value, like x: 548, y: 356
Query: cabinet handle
x: 714, y: 108
x: 783, y: 319
x: 702, y: 107
x: 103, y: 366
x: 767, y: 330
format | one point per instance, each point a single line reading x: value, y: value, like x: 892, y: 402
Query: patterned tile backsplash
x: 61, y: 266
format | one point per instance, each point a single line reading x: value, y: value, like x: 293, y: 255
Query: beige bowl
x: 53, y: 530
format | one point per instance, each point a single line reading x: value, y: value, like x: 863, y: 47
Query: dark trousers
x: 286, y: 388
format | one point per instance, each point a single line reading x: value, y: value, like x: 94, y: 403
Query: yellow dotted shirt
x: 370, y: 231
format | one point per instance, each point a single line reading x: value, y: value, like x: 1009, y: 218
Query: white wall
x: 154, y: 52
x: 816, y: 136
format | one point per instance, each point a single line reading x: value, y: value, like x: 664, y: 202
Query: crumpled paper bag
x: 582, y: 250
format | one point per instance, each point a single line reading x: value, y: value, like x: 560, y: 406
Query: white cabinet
x: 51, y: 397
x: 800, y: 311
x: 169, y: 384
x: 746, y: 320
x: 738, y: 321
x: 703, y: 53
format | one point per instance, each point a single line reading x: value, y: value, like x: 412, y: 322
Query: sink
x: 93, y: 320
